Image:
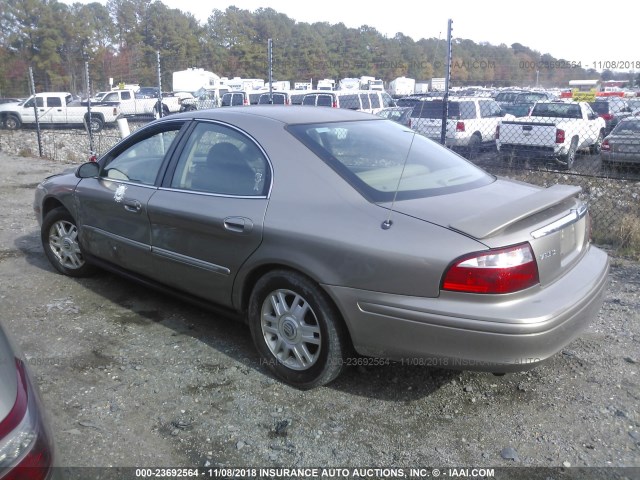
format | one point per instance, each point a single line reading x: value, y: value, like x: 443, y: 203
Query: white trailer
x: 349, y: 84
x: 193, y: 79
x: 402, y: 86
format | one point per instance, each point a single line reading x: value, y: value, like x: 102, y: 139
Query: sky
x: 567, y: 30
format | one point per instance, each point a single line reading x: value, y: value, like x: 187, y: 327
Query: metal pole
x: 91, y: 149
x: 270, y: 59
x: 160, y: 109
x: 35, y: 110
x: 447, y: 76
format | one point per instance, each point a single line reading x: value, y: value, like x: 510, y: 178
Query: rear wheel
x: 96, y: 123
x: 596, y: 148
x: 473, y: 150
x: 59, y: 235
x: 570, y: 157
x: 296, y: 329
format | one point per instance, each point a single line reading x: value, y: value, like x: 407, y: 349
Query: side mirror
x: 88, y: 170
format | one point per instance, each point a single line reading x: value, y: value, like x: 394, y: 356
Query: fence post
x: 35, y: 110
x: 445, y: 99
x: 91, y: 149
x: 160, y: 109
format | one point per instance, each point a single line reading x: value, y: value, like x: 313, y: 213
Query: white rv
x: 194, y: 79
x: 349, y: 84
x: 402, y: 86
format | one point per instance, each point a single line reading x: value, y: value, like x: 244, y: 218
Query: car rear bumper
x: 617, y: 157
x: 530, y: 151
x: 474, y: 332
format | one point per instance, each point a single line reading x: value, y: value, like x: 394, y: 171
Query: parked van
x: 277, y: 98
x: 234, y: 99
x: 363, y: 100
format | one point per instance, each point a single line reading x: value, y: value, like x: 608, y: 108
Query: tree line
x: 123, y: 40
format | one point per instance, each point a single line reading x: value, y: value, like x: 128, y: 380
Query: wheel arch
x: 249, y: 281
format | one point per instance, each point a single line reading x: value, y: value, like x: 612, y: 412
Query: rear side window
x: 375, y: 100
x: 54, y: 102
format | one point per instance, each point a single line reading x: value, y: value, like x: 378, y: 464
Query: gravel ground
x: 132, y: 378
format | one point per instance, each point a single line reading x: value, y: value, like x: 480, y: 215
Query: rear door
x: 208, y: 216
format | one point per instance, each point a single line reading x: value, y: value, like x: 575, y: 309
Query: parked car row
x: 551, y: 130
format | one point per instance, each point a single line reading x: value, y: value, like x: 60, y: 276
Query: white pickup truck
x: 553, y: 130
x: 134, y: 105
x: 56, y: 108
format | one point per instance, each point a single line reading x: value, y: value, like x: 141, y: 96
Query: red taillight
x: 605, y: 145
x: 498, y: 132
x: 335, y: 104
x: 607, y: 116
x: 459, y: 126
x: 505, y: 270
x: 560, y: 136
x: 25, y: 452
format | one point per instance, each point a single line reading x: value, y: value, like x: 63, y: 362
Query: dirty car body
x: 329, y: 231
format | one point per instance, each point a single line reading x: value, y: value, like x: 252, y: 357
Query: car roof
x: 288, y: 114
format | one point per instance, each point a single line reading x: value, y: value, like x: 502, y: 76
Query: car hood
x: 483, y: 213
x: 8, y: 377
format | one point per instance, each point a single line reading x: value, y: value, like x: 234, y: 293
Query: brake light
x: 497, y: 132
x: 459, y: 126
x: 607, y: 116
x: 505, y: 270
x: 560, y: 136
x: 605, y: 145
x: 335, y: 104
x: 24, y: 444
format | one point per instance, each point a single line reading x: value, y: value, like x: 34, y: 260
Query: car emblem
x: 118, y: 196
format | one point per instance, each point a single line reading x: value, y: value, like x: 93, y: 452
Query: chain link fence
x: 533, y: 135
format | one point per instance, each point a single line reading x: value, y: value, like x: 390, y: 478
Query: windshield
x: 378, y: 157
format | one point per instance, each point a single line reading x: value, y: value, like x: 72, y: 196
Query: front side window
x: 140, y: 162
x: 378, y: 157
x: 221, y: 160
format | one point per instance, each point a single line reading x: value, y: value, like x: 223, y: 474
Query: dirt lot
x: 133, y: 378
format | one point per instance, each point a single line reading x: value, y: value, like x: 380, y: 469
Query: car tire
x: 12, y: 122
x: 570, y: 158
x: 96, y: 124
x: 297, y: 330
x: 473, y: 149
x: 59, y: 235
x: 596, y: 148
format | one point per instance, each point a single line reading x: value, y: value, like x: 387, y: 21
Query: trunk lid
x: 553, y: 220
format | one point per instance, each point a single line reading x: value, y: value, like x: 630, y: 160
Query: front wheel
x: 59, y: 235
x: 296, y: 329
x: 12, y: 123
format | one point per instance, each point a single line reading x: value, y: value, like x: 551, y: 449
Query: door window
x: 221, y: 160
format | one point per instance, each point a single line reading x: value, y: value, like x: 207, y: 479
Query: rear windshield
x: 627, y: 127
x: 378, y: 157
x: 434, y: 109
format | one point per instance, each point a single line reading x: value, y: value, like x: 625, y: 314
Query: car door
x: 54, y: 111
x: 207, y: 218
x: 113, y: 207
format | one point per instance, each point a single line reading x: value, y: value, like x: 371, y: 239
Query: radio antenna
x: 386, y: 225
